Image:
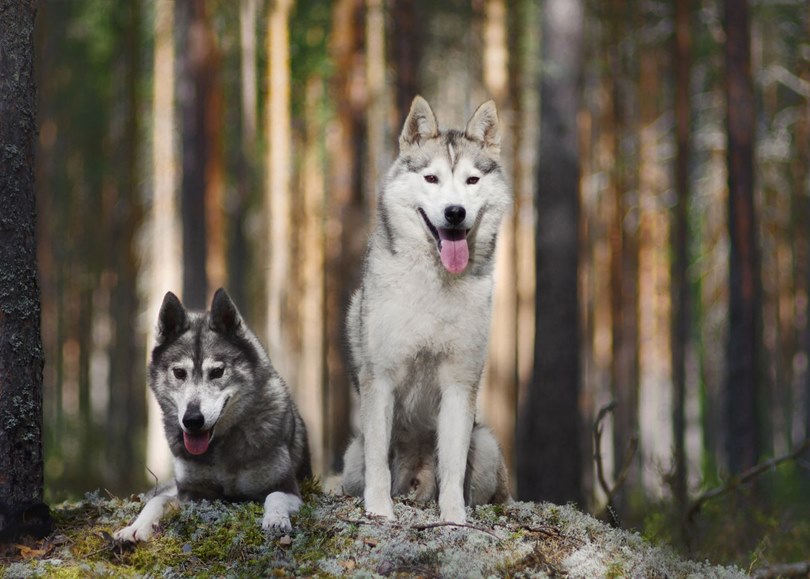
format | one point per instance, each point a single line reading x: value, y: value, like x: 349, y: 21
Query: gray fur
x: 257, y: 445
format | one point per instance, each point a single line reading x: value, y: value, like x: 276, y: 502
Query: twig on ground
x: 744, y: 477
x: 630, y: 453
x: 800, y: 569
x: 374, y: 521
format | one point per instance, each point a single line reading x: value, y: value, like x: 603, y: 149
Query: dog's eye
x: 472, y: 180
x: 431, y: 179
x: 179, y: 373
x: 216, y: 373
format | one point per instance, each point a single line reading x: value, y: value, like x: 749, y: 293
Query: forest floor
x: 331, y: 536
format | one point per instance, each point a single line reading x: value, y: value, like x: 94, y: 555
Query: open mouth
x: 452, y: 244
x: 197, y: 443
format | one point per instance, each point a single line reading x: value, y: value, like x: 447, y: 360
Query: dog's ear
x: 172, y: 319
x: 484, y: 127
x: 420, y: 124
x: 225, y: 318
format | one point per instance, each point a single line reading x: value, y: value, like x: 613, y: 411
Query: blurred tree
x: 194, y: 85
x: 238, y: 247
x: 744, y: 341
x: 549, y: 454
x: 347, y: 209
x: 681, y: 66
x: 165, y: 256
x: 126, y: 412
x: 277, y: 185
x: 21, y: 355
x: 499, y: 390
x: 406, y: 44
x: 624, y: 239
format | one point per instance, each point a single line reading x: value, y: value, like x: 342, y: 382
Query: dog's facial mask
x: 452, y: 168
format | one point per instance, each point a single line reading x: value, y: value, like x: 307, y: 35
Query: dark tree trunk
x: 407, y: 54
x: 742, y: 444
x: 192, y: 97
x: 127, y: 402
x: 681, y: 65
x: 549, y: 457
x: 21, y: 356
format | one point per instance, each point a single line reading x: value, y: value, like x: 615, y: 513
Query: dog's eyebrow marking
x: 415, y: 164
x: 486, y: 166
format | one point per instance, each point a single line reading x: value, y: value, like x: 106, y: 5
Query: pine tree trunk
x: 165, y: 259
x: 277, y: 187
x: 21, y: 356
x: 407, y: 54
x: 744, y: 343
x: 347, y: 214
x: 127, y: 400
x: 192, y: 97
x: 680, y: 245
x: 549, y: 462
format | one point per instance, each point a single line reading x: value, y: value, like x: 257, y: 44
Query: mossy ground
x: 332, y: 537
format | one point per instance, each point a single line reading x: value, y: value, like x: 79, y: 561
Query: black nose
x: 193, y: 419
x: 454, y: 214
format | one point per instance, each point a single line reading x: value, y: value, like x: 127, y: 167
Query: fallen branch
x: 745, y: 477
x: 801, y: 569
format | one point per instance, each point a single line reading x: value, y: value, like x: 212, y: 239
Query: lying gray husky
x: 418, y: 327
x: 233, y: 430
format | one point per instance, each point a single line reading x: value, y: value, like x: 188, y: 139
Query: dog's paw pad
x: 276, y: 521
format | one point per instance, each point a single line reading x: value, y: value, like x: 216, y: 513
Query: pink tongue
x: 196, y: 443
x: 455, y: 254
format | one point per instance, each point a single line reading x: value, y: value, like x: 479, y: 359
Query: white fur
x: 144, y: 525
x: 278, y: 507
x: 409, y: 304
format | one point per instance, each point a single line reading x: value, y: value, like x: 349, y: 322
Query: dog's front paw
x: 452, y: 511
x: 379, y: 504
x: 134, y: 533
x: 276, y: 521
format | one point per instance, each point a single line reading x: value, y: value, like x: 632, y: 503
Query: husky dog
x: 418, y: 326
x: 233, y: 430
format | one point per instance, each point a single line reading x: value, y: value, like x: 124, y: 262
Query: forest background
x: 195, y: 144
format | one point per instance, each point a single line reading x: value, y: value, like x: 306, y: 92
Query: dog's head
x: 451, y: 183
x: 201, y: 363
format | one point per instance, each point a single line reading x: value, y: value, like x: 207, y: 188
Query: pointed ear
x: 420, y: 124
x: 172, y: 319
x: 484, y: 127
x: 225, y: 318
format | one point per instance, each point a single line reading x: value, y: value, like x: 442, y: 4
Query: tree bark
x: 21, y: 355
x: 744, y: 341
x: 549, y: 460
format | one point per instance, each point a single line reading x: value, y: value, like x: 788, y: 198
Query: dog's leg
x: 278, y: 506
x: 377, y: 411
x: 144, y: 526
x: 456, y: 415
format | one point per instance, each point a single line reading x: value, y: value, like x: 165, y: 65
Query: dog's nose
x: 454, y: 214
x: 193, y: 419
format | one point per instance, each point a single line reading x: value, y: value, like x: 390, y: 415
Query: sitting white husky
x: 419, y: 324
